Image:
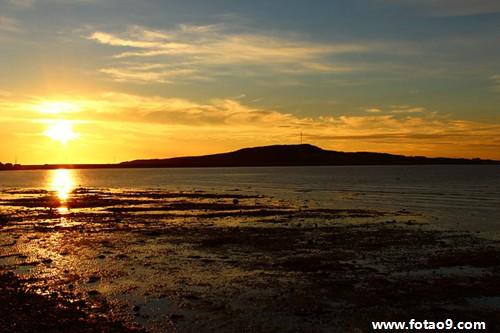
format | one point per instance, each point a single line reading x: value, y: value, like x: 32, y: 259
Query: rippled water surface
x: 256, y: 249
x: 465, y: 197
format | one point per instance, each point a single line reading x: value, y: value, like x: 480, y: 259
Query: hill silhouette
x: 277, y: 155
x: 295, y: 155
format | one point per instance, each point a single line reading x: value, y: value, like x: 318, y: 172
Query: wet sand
x: 117, y: 261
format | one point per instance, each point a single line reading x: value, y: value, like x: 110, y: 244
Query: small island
x: 267, y: 156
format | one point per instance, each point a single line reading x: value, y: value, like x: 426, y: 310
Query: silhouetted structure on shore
x: 9, y: 166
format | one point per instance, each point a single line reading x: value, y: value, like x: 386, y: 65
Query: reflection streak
x: 62, y: 182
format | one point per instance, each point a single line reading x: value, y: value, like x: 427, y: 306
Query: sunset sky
x: 91, y: 81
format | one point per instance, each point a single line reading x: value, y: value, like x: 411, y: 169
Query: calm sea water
x: 462, y: 197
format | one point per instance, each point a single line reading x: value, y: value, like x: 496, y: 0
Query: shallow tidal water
x: 463, y: 197
x: 255, y: 249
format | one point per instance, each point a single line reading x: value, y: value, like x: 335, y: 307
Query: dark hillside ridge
x: 278, y: 155
x: 295, y: 155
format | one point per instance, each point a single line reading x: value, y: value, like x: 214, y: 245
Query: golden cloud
x: 109, y: 119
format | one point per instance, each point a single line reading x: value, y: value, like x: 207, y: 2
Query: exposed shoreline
x: 220, y: 262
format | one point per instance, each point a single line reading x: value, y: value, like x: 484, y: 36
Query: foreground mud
x: 26, y: 311
x: 116, y: 261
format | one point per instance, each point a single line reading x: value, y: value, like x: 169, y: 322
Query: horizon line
x: 126, y: 164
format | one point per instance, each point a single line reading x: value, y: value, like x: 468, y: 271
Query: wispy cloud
x: 196, y: 47
x: 373, y: 110
x: 215, y: 45
x: 408, y: 109
x: 396, y: 109
x: 208, y: 51
x: 147, y: 74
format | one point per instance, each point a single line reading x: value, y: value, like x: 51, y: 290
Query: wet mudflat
x: 104, y: 260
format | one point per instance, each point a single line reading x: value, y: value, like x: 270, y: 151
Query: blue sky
x: 427, y: 72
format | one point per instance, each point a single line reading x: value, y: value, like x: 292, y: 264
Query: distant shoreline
x: 118, y: 167
x: 268, y: 156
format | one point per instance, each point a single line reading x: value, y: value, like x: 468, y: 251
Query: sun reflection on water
x: 62, y: 183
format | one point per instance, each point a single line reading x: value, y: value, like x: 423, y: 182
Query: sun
x: 62, y: 131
